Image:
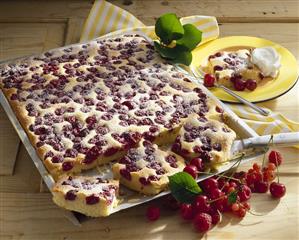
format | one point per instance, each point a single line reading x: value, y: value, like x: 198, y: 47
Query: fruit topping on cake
x: 208, y: 139
x: 92, y: 196
x: 146, y: 168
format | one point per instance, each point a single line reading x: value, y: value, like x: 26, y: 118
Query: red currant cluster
x: 224, y: 193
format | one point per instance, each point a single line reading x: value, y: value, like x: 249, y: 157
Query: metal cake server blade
x: 280, y: 140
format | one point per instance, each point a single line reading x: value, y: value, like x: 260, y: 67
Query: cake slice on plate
x: 92, y: 196
x: 146, y: 168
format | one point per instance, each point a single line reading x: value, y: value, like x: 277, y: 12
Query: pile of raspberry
x: 207, y: 208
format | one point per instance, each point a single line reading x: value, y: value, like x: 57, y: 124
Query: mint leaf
x: 232, y: 197
x: 177, y: 54
x: 192, y: 37
x: 168, y: 27
x: 183, y: 187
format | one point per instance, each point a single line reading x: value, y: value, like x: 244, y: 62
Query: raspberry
x: 153, y: 213
x: 202, y: 222
x: 275, y: 157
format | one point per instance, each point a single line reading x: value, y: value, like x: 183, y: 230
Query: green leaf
x: 192, y: 37
x: 168, y: 28
x: 165, y: 52
x: 177, y: 54
x: 232, y: 197
x: 184, y: 57
x: 183, y: 187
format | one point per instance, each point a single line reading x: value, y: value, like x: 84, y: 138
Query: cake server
x: 279, y: 140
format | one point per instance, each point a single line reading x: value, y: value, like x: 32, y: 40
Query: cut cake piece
x: 92, y: 196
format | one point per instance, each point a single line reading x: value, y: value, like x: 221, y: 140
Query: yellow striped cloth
x: 107, y: 19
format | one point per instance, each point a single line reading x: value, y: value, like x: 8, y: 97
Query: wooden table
x: 27, y: 213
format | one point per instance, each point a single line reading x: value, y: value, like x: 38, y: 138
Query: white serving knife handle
x: 281, y: 140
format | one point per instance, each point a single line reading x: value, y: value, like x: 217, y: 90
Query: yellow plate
x: 286, y: 79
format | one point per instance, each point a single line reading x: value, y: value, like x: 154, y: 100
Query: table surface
x: 28, y: 213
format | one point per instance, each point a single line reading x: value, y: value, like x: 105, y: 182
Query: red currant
x: 202, y: 222
x: 275, y: 157
x: 256, y: 167
x: 246, y: 205
x: 277, y: 190
x: 271, y: 166
x: 235, y: 207
x: 241, y: 213
x: 192, y: 170
x: 153, y: 213
x: 209, y: 80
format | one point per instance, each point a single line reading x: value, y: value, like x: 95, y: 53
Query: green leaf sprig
x: 176, y: 41
x: 183, y: 187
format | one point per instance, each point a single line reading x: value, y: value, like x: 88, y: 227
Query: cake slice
x: 146, y: 168
x: 92, y: 196
x: 232, y: 67
x: 206, y: 138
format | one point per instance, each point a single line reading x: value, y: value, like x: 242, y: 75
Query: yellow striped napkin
x: 107, y: 19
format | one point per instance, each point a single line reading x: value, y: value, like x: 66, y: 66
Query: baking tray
x: 129, y: 198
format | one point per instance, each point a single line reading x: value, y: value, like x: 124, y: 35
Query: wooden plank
x: 26, y: 178
x: 34, y: 216
x: 225, y: 10
x: 20, y: 39
x: 20, y: 11
x: 9, y: 144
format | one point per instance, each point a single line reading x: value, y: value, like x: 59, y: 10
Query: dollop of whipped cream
x: 267, y: 60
